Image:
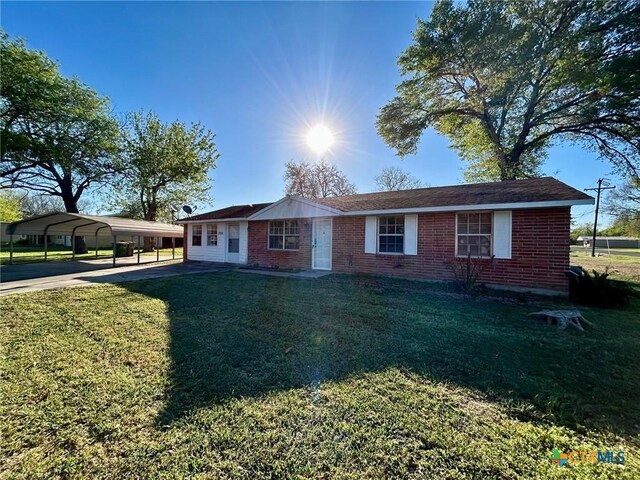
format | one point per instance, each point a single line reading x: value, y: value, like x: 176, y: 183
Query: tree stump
x: 563, y: 318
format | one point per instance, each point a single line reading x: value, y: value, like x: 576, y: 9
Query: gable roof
x: 235, y: 211
x: 527, y: 193
x: 293, y: 206
x: 533, y: 190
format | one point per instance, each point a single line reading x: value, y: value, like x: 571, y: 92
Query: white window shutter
x: 411, y: 234
x: 502, y: 234
x: 370, y: 234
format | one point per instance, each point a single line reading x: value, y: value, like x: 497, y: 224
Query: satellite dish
x: 187, y: 209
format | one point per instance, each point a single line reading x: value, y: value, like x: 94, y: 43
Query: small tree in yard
x: 318, y: 180
x: 163, y: 165
x: 394, y: 178
x: 467, y: 271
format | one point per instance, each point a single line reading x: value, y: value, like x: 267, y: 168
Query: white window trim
x: 481, y: 257
x: 193, y: 235
x: 390, y: 235
x: 209, y: 234
x: 284, y: 235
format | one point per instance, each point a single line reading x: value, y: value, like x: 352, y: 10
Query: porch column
x: 173, y: 248
x: 138, y: 249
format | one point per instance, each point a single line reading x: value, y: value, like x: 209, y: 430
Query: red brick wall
x: 259, y: 253
x: 539, y: 250
x: 185, y: 242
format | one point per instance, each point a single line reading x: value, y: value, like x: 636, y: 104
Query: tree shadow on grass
x: 236, y: 334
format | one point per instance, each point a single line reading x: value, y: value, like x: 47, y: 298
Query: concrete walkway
x: 44, y: 276
x: 275, y: 273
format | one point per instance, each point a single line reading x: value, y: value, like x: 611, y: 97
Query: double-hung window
x: 196, y: 235
x: 284, y: 235
x: 212, y: 234
x: 391, y: 234
x: 474, y: 234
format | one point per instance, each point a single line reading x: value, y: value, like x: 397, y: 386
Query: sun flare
x: 320, y: 139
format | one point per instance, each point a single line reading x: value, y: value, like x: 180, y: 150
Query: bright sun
x: 320, y: 138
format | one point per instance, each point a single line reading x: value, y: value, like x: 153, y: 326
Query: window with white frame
x: 196, y: 235
x: 284, y: 235
x: 212, y: 235
x: 391, y: 234
x: 474, y: 234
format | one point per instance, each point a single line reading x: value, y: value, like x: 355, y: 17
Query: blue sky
x: 258, y: 75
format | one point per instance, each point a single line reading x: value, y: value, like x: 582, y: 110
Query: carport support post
x: 45, y: 247
x: 138, y: 249
x: 115, y: 238
x: 96, y: 243
x: 173, y: 248
x: 73, y: 247
x: 158, y: 240
x: 10, y: 249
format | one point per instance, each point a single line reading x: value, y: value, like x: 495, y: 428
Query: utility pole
x: 595, y: 222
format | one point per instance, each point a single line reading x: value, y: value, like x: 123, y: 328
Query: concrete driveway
x: 43, y: 276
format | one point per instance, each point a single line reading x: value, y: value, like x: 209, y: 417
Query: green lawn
x: 624, y: 267
x: 249, y: 376
x: 24, y: 254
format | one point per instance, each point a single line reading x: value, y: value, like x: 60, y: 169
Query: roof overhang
x: 298, y: 207
x: 486, y: 206
x: 81, y: 225
x: 213, y: 220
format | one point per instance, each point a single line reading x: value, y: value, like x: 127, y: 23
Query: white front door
x: 233, y: 243
x: 321, y: 244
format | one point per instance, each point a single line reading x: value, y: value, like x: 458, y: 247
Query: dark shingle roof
x: 544, y: 189
x: 236, y: 211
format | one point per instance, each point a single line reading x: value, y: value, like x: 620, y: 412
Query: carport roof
x: 79, y: 224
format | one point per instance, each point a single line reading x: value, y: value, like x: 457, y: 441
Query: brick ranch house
x: 519, y: 228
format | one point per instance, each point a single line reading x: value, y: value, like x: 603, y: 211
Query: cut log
x: 563, y: 318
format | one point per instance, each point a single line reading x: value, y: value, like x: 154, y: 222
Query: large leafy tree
x: 58, y: 136
x: 505, y: 80
x: 163, y: 165
x: 317, y: 180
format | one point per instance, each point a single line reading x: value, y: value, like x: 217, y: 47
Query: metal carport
x: 75, y: 224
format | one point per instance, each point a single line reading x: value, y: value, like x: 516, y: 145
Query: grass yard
x: 624, y: 267
x: 24, y: 254
x: 248, y: 376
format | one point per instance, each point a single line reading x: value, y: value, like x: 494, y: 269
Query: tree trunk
x: 148, y: 244
x: 71, y: 206
x: 150, y: 215
x: 510, y: 161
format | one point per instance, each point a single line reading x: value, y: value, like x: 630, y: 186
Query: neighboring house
x: 4, y: 237
x: 518, y: 229
x: 610, y: 242
x: 65, y: 241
